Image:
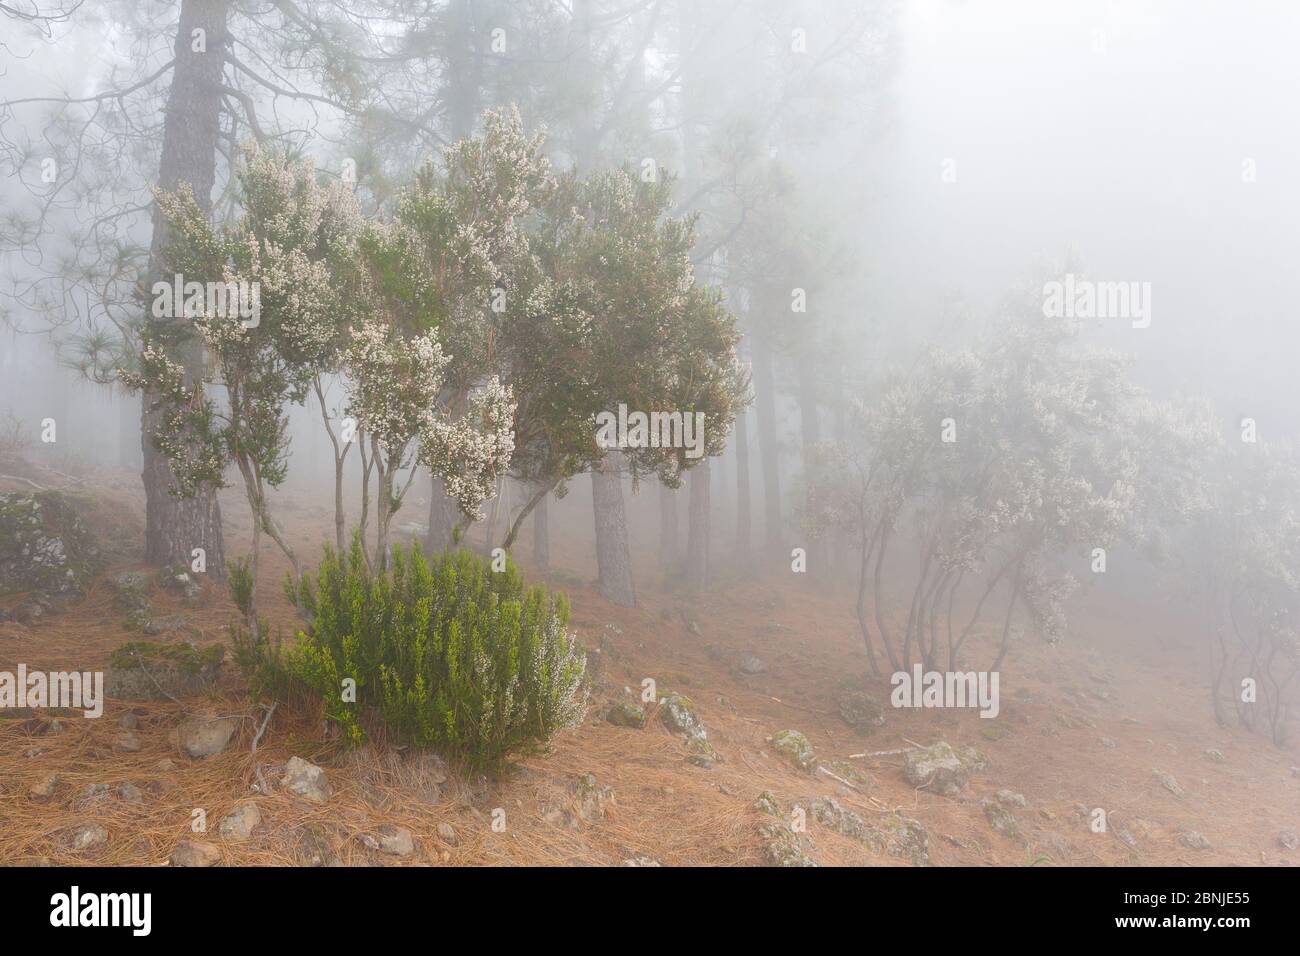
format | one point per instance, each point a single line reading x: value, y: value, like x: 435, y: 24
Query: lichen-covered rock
x: 588, y: 802
x: 130, y: 591
x: 1000, y: 818
x: 894, y: 834
x: 626, y: 714
x: 678, y: 715
x: 44, y: 545
x: 860, y: 710
x: 144, y: 670
x: 766, y: 802
x: 784, y: 847
x: 641, y: 859
x: 1169, y: 782
x: 796, y: 750
x: 180, y: 582
x: 87, y: 837
x: 941, y: 768
x: 1288, y: 839
x: 1194, y: 840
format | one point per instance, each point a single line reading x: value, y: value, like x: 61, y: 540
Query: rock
x: 44, y: 788
x: 894, y: 834
x: 195, y: 853
x: 127, y: 742
x: 767, y: 803
x: 314, y: 847
x: 751, y: 664
x: 1000, y: 818
x: 95, y: 792
x: 1288, y: 840
x: 678, y: 715
x: 306, y: 780
x: 641, y: 859
x: 626, y: 714
x: 130, y: 793
x: 860, y: 710
x: 1193, y: 840
x: 179, y: 581
x: 145, y: 670
x: 941, y: 768
x: 396, y: 841
x: 1215, y: 755
x: 796, y: 750
x: 44, y: 547
x: 239, y: 825
x: 88, y: 836
x: 447, y: 833
x: 784, y: 847
x: 128, y: 721
x: 1106, y: 742
x: 206, y: 736
x: 591, y: 799
x: 130, y: 592
x: 1009, y: 798
x: 1168, y: 782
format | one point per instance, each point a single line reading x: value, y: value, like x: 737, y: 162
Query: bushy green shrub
x: 452, y: 656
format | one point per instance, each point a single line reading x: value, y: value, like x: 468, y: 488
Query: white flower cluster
x: 471, y: 454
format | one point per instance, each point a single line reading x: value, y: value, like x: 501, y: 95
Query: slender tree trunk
x: 438, y: 534
x: 175, y: 526
x: 769, y: 453
x: 744, y: 545
x: 697, y: 538
x: 541, y: 535
x: 668, y: 542
x: 810, y: 432
x: 613, y: 560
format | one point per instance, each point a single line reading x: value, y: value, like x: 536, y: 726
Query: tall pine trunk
x: 175, y: 526
x: 769, y: 453
x: 744, y: 545
x: 697, y: 538
x: 613, y: 559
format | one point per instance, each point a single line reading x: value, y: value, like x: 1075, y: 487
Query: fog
x: 982, y: 307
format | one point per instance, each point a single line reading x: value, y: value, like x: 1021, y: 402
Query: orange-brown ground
x: 1131, y: 674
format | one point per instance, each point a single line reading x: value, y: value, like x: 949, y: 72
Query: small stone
x: 1288, y: 840
x: 767, y: 803
x: 1194, y: 840
x: 195, y: 853
x: 626, y: 714
x: 127, y: 742
x: 43, y: 789
x: 1107, y: 743
x: 1215, y: 755
x: 128, y: 721
x: 96, y: 792
x: 447, y: 833
x: 130, y: 793
x: 1009, y: 798
x: 794, y: 747
x: 641, y: 860
x: 238, y: 825
x: 941, y: 768
x: 88, y: 836
x: 206, y: 736
x: 396, y: 841
x: 752, y: 664
x: 306, y: 780
x: 1168, y: 781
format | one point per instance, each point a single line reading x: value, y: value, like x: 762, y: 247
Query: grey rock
x: 238, y: 825
x: 195, y: 853
x: 206, y: 736
x: 306, y: 780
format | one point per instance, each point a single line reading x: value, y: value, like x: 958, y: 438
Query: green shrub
x: 452, y: 656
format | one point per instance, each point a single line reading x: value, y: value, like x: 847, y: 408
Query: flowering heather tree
x: 613, y: 314
x: 292, y: 237
x: 1002, y: 460
x: 1244, y: 552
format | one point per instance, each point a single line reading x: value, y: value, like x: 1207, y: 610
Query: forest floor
x: 1095, y: 722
